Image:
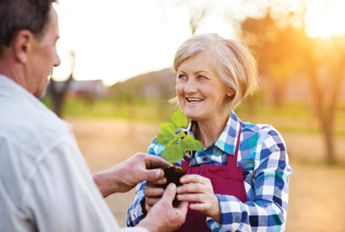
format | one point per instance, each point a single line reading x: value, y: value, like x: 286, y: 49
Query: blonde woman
x: 239, y: 180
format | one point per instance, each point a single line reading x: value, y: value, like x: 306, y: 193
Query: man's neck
x: 13, y: 71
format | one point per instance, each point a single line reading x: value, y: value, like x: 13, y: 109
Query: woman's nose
x: 190, y: 86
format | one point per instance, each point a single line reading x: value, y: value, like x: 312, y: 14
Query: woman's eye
x: 202, y: 77
x: 182, y: 77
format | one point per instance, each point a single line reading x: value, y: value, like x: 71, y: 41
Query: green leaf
x: 176, y: 145
x: 179, y: 119
x: 188, y: 143
x: 162, y: 139
x: 172, y: 154
x: 181, y: 134
x: 168, y: 128
x: 174, y: 141
x: 198, y: 145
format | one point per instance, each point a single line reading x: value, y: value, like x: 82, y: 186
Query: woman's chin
x: 192, y: 116
x: 192, y: 113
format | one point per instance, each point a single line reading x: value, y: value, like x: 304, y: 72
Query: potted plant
x: 177, y: 144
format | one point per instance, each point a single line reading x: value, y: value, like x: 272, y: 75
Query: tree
x: 197, y: 10
x: 274, y: 47
x: 325, y: 67
x: 286, y: 50
x: 58, y: 92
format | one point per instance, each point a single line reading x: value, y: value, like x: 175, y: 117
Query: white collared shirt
x: 45, y: 184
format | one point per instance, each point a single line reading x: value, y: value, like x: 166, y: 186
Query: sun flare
x: 325, y: 18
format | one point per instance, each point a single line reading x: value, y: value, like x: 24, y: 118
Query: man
x: 45, y: 184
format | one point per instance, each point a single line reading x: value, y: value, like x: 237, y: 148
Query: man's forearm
x: 105, y: 183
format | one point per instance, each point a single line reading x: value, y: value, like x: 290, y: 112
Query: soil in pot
x: 173, y: 175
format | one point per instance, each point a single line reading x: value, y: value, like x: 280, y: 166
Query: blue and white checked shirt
x: 263, y: 157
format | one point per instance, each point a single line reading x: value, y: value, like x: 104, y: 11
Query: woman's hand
x: 199, y: 191
x: 153, y: 193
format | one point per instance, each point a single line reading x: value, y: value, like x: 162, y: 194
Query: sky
x: 114, y: 40
x: 325, y: 18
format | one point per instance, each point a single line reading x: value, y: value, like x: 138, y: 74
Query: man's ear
x: 22, y: 44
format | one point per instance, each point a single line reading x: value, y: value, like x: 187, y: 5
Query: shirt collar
x: 10, y: 87
x: 228, y: 139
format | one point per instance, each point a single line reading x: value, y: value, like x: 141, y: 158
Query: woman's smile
x: 193, y: 100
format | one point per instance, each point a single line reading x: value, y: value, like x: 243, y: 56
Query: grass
x: 294, y: 117
x: 115, y: 109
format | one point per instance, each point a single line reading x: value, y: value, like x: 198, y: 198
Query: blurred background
x: 115, y: 82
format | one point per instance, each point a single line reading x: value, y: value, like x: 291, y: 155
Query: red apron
x: 226, y: 180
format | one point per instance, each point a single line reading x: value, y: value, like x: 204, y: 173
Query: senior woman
x: 239, y: 180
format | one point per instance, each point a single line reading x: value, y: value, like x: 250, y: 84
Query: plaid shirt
x: 264, y: 161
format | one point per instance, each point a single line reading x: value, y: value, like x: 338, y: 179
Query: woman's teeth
x: 193, y: 100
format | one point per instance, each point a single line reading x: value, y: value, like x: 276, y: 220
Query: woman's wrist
x: 216, y: 212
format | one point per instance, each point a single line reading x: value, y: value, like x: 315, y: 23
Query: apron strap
x: 185, y: 162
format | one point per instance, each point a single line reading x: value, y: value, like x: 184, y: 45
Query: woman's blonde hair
x: 234, y: 63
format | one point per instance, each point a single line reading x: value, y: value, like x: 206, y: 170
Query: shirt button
x: 205, y: 159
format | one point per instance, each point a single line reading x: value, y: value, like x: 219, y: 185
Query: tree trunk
x: 327, y: 127
x: 326, y: 102
x: 58, y: 95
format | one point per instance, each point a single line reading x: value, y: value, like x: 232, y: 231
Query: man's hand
x: 153, y: 192
x: 127, y: 174
x: 163, y: 217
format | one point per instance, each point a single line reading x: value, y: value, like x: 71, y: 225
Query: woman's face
x: 200, y: 91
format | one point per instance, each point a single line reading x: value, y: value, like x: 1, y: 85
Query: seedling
x: 176, y: 142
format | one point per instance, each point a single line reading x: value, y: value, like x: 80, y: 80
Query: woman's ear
x: 22, y: 44
x: 230, y: 92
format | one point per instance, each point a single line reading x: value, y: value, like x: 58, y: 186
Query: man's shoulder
x: 30, y: 124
